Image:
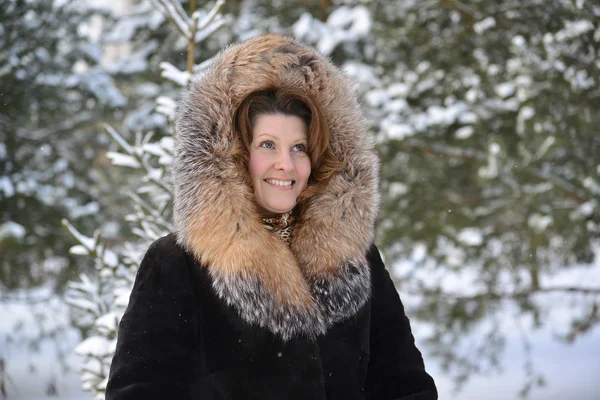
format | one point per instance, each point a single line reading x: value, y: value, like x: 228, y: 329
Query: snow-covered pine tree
x: 98, y: 300
x: 52, y: 93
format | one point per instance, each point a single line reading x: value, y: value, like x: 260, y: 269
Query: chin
x: 280, y: 209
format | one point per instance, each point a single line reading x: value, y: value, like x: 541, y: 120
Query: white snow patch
x: 468, y: 117
x: 490, y: 171
x: 483, y: 25
x: 470, y: 237
x: 96, y: 346
x: 79, y: 250
x: 398, y: 90
x: 122, y: 160
x: 81, y: 211
x: 464, y: 132
x: 505, y: 89
x: 108, y: 322
x: 591, y: 184
x: 399, y: 131
x: 397, y: 189
x: 376, y: 98
x: 12, y: 230
x: 7, y: 186
x: 110, y: 258
x: 539, y: 222
x: 345, y: 24
x: 573, y: 29
x: 172, y: 73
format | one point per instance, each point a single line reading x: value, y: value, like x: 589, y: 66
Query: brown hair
x: 287, y: 102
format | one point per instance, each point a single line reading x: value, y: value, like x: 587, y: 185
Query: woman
x: 270, y: 286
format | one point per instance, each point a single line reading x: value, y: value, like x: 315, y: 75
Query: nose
x: 284, y: 162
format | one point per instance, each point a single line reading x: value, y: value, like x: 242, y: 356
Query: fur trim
x: 323, y: 277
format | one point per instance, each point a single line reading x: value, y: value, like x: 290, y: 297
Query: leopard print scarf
x: 281, y: 225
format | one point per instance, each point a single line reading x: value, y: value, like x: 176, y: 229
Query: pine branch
x: 595, y: 291
x: 210, y: 23
x: 181, y: 23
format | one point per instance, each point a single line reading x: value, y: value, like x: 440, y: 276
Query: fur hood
x: 324, y: 276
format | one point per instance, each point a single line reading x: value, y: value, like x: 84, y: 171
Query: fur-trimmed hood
x: 324, y: 276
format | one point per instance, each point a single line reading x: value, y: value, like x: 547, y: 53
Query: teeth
x: 279, y: 183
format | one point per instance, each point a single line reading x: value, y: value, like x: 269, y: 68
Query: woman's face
x: 279, y: 165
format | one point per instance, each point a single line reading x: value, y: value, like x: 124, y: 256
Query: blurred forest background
x: 487, y: 123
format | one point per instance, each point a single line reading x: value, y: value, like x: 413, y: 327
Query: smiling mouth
x: 279, y: 183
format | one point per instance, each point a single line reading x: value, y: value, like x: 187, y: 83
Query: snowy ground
x: 570, y: 370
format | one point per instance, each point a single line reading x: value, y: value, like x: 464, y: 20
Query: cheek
x: 256, y: 167
x: 304, y: 171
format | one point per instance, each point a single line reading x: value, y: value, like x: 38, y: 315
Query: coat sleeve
x: 396, y: 370
x: 157, y: 347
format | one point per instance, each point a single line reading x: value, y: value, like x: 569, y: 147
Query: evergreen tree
x: 51, y: 97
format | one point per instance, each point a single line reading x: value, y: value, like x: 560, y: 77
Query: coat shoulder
x: 166, y: 244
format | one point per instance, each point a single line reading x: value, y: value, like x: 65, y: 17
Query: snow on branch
x: 118, y: 138
x: 87, y: 242
x: 166, y: 106
x: 212, y: 14
x: 210, y: 29
x: 173, y: 11
x: 210, y: 23
x: 172, y: 73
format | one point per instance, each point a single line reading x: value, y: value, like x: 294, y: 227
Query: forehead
x: 279, y: 126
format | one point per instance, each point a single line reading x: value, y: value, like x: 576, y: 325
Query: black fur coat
x: 179, y: 340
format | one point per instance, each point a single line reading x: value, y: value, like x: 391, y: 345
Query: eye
x: 300, y: 147
x: 267, y: 145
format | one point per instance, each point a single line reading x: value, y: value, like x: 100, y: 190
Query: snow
x: 398, y: 131
x: 505, y: 89
x: 96, y: 346
x: 481, y: 26
x: 88, y: 242
x: 79, y: 250
x: 174, y: 11
x: 592, y: 185
x: 470, y: 237
x: 209, y: 24
x: 12, y: 230
x: 397, y: 189
x: 490, y: 171
x: 344, y: 24
x: 398, y: 90
x: 464, y: 132
x: 468, y: 117
x: 573, y: 29
x: 586, y: 209
x: 172, y: 73
x: 108, y: 322
x: 80, y: 211
x: 101, y: 85
x: 525, y: 113
x: 110, y: 258
x: 6, y: 186
x: 397, y: 106
x: 376, y: 98
x: 518, y: 41
x: 122, y: 160
x: 539, y: 222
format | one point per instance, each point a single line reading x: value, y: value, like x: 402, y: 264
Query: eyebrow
x: 260, y: 135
